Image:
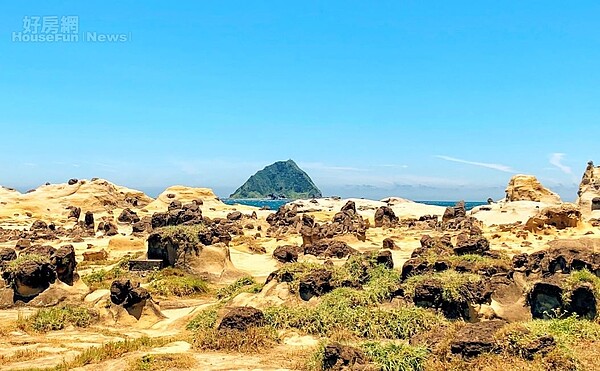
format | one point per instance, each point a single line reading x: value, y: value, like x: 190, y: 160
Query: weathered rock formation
x: 588, y: 196
x: 560, y: 217
x: 385, y: 217
x: 195, y: 249
x: 528, y: 188
x: 130, y: 296
x: 242, y: 318
x: 286, y: 254
x: 178, y: 214
x: 342, y: 357
x: 346, y: 221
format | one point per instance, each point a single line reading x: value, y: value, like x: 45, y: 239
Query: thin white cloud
x: 393, y: 165
x: 556, y: 160
x: 321, y: 166
x: 499, y: 167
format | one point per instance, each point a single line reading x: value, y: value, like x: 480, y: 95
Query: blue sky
x: 421, y: 99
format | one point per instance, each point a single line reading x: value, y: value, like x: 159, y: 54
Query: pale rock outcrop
x: 589, y: 190
x: 564, y: 216
x: 528, y: 188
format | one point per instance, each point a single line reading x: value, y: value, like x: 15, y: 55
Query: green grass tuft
x: 13, y: 265
x: 206, y: 319
x: 396, y: 357
x: 578, y: 278
x: 159, y: 362
x: 340, y: 311
x: 173, y: 281
x: 57, y: 318
x: 189, y: 231
x: 244, y: 284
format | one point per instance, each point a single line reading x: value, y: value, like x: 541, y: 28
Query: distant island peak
x: 280, y: 180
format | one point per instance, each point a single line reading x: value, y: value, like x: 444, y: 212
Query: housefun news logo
x: 62, y: 29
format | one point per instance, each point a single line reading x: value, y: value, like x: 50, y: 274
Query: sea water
x: 276, y: 204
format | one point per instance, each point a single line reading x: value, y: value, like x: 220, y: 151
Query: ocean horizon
x: 276, y: 204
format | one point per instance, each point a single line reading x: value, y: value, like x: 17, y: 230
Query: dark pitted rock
x: 280, y: 277
x: 316, y: 283
x: 430, y: 294
x: 437, y: 246
x: 563, y: 256
x: 343, y: 357
x: 236, y: 215
x: 520, y: 261
x: 385, y: 217
x: 22, y: 244
x: 144, y: 225
x: 89, y: 220
x: 188, y: 214
x: 350, y: 206
x: 74, y: 212
x: 169, y: 248
x: 384, y: 257
x: 388, y: 243
x: 471, y: 245
x: 138, y: 295
x: 286, y: 254
x: 286, y: 216
x: 7, y: 254
x: 476, y: 338
x: 29, y: 278
x: 128, y: 216
x: 159, y: 220
x: 109, y: 228
x: 415, y: 266
x: 64, y: 262
x: 545, y: 300
x: 185, y: 248
x: 596, y: 203
x: 242, y: 318
x: 119, y: 291
x: 458, y: 211
x: 38, y: 224
x: 539, y: 345
x: 330, y: 249
x: 175, y: 205
x: 343, y: 222
x: 73, y: 181
x: 129, y: 295
x: 583, y: 302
